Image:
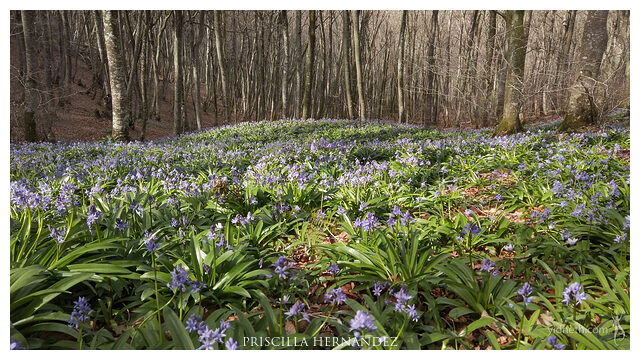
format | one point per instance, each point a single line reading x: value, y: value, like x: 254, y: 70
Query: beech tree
x: 583, y: 95
x: 119, y: 100
x: 516, y: 46
x: 32, y: 101
x: 308, y: 79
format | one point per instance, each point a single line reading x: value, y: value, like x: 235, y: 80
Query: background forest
x: 178, y: 71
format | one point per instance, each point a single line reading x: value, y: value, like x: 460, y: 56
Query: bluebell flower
x: 573, y: 293
x: 58, y: 234
x: 471, y: 228
x: 406, y: 217
x: 92, y: 215
x: 335, y: 296
x: 333, y: 269
x: 179, y: 277
x: 525, y: 291
x: 281, y: 267
x: 194, y: 323
x: 231, y: 344
x: 578, y: 210
x: 379, y: 287
x: 209, y: 337
x: 411, y: 311
x: 487, y: 265
x: 620, y: 238
x: 396, y: 210
x: 391, y: 221
x: 553, y: 341
x: 121, y: 225
x: 196, y: 285
x: 362, y: 321
x: 152, y: 246
x: 81, y: 313
x: 321, y: 215
x: 296, y: 309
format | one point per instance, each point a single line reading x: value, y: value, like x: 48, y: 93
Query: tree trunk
x: 144, y: 69
x: 583, y: 95
x: 120, y: 103
x: 401, y: 40
x: 104, y: 70
x: 432, y: 99
x: 308, y: 80
x: 31, y: 102
x: 284, y: 28
x: 221, y: 65
x: 511, y: 122
x: 356, y: 49
x: 195, y: 57
x: 178, y: 96
x: 298, y: 60
x: 563, y: 61
x: 346, y: 59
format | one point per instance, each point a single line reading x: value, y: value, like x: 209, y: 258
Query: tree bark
x: 178, y: 96
x: 120, y: 103
x: 32, y: 100
x: 284, y: 29
x: 431, y: 98
x: 583, y: 95
x: 195, y: 57
x: 401, y: 41
x: 144, y: 69
x: 511, y: 122
x: 346, y: 59
x: 357, y: 54
x: 221, y: 65
x: 308, y: 80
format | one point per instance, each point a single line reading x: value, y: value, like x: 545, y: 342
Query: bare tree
x: 308, y: 79
x: 357, y: 57
x: 583, y: 97
x: 120, y: 102
x: 284, y: 29
x: 221, y: 64
x: 401, y: 40
x: 511, y: 122
x: 346, y: 45
x: 32, y: 99
x: 178, y: 92
x: 431, y: 98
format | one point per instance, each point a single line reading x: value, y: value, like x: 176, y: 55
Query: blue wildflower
x: 179, y: 278
x: 573, y: 293
x: 362, y: 321
x: 80, y: 314
x: 333, y: 269
x: 335, y: 296
x: 487, y: 265
x: 553, y: 341
x: 231, y: 344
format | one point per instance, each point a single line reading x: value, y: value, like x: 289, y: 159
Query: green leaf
x: 179, y: 334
